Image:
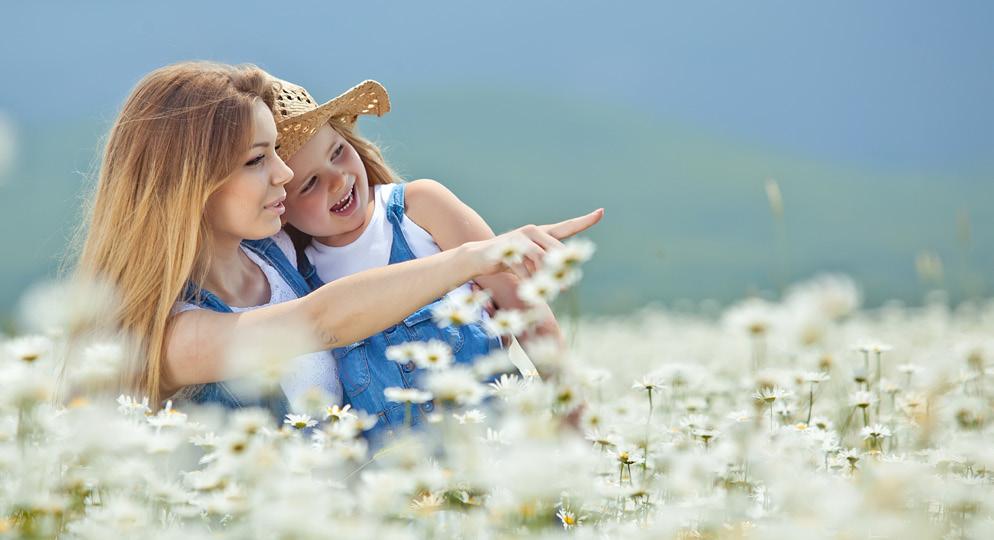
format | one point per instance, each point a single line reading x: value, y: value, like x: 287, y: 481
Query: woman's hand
x: 533, y: 241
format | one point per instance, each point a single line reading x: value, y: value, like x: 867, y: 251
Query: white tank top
x: 307, y: 371
x: 371, y: 249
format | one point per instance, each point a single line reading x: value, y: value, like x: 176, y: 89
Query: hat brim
x: 367, y: 97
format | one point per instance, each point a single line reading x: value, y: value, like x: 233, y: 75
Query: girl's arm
x: 344, y: 310
x: 452, y: 223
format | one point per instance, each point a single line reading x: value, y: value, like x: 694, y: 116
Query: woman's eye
x: 256, y: 160
x: 338, y: 151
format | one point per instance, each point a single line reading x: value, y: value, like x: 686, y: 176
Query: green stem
x: 645, y: 455
x: 879, y: 374
x: 650, y: 406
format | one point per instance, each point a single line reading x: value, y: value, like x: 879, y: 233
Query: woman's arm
x: 453, y: 223
x: 346, y: 309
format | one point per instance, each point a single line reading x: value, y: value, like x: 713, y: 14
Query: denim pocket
x: 423, y: 328
x: 395, y: 413
x: 353, y: 367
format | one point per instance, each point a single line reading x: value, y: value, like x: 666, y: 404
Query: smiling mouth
x: 277, y: 204
x: 346, y: 203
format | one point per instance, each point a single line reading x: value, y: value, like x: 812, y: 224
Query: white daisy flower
x: 472, y: 416
x: 647, y: 383
x: 876, y: 432
x: 456, y: 385
x: 299, y: 421
x: 507, y: 385
x: 167, y: 417
x: 406, y: 395
x: 473, y: 298
x: 538, y: 289
x: 128, y: 406
x: 404, y: 352
x: 569, y: 519
x: 815, y: 377
x: 574, y: 252
x: 565, y: 276
x: 434, y: 355
x: 454, y: 312
x: 506, y: 322
x: 862, y: 399
x: 769, y: 395
x: 29, y: 348
x: 337, y: 413
x: 512, y: 251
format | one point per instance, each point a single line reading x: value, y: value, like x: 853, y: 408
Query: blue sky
x: 894, y: 85
x: 877, y: 118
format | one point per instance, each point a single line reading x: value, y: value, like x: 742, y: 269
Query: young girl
x: 349, y: 212
x: 189, y: 192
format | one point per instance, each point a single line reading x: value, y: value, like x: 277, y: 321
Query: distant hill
x: 687, y: 216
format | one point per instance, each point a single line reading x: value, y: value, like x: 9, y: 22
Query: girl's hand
x: 532, y: 240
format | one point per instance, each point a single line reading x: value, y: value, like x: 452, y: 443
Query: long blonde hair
x: 179, y: 135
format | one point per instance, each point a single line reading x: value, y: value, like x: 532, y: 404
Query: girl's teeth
x: 345, y: 202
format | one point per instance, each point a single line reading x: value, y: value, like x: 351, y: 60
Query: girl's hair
x: 180, y: 134
x: 377, y: 172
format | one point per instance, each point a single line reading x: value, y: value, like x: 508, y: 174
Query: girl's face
x: 250, y: 201
x: 329, y: 193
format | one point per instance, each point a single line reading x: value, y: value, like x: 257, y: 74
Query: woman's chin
x: 265, y: 230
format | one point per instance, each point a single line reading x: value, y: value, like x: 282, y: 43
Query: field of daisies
x: 806, y: 417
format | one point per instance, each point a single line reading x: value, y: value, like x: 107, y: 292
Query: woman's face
x: 250, y: 201
x: 329, y: 193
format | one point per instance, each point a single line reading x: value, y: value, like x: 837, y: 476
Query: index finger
x: 565, y: 229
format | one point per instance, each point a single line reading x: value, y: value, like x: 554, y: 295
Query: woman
x: 190, y: 189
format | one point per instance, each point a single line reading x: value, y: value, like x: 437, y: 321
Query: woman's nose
x: 283, y: 172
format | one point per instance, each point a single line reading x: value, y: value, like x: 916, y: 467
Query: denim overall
x: 220, y: 393
x: 363, y: 366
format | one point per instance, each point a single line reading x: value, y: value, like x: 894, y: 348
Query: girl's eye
x: 338, y: 151
x: 256, y: 160
x: 309, y: 184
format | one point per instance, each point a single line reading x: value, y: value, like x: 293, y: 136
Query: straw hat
x: 298, y: 116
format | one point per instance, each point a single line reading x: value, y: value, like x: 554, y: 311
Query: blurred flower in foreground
x: 647, y: 428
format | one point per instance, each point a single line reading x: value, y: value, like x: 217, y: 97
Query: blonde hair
x: 180, y: 134
x: 377, y: 169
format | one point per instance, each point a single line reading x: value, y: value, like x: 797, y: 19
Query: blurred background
x: 736, y: 146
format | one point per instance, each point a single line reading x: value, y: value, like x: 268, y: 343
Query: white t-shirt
x: 307, y: 371
x: 370, y: 250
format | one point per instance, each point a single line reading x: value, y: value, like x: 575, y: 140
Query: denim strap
x: 268, y: 251
x: 400, y: 251
x: 218, y: 392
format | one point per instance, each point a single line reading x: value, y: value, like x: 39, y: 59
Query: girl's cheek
x: 315, y: 211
